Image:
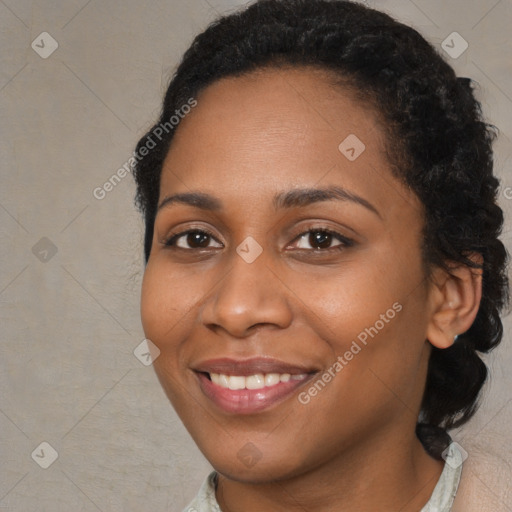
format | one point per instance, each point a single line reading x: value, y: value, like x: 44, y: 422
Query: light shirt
x: 441, y: 499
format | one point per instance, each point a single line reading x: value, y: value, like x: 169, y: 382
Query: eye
x: 321, y: 239
x: 191, y: 239
x: 318, y: 239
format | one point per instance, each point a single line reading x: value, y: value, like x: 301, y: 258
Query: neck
x: 387, y: 474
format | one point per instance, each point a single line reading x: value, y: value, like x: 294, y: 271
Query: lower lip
x: 247, y: 401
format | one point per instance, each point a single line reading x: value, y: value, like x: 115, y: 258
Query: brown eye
x: 197, y: 239
x: 318, y: 239
x: 191, y: 239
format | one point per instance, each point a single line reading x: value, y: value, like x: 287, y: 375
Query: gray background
x: 70, y: 320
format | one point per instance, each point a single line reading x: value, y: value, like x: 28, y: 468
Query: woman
x: 322, y: 259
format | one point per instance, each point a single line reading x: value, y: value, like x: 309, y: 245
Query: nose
x: 249, y: 296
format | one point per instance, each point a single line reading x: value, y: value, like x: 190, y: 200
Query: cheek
x: 374, y: 319
x: 344, y: 301
x: 166, y: 299
x: 166, y: 306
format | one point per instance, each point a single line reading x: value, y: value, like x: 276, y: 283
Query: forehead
x: 277, y: 128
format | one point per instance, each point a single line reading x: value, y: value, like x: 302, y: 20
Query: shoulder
x: 485, y: 484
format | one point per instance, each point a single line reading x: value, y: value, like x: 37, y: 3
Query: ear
x: 454, y: 298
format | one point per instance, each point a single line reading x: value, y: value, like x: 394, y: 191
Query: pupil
x: 322, y: 239
x: 198, y: 239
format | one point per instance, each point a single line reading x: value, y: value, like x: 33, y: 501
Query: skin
x: 353, y: 446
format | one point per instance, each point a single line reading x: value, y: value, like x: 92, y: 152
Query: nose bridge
x: 248, y: 294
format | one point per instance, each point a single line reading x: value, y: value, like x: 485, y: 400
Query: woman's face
x: 316, y: 340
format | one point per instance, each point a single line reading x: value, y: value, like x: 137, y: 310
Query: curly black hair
x: 437, y: 144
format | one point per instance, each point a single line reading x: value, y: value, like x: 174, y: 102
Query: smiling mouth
x: 249, y: 386
x: 250, y: 394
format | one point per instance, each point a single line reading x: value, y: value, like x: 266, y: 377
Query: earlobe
x: 454, y: 302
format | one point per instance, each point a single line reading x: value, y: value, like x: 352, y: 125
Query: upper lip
x: 251, y: 366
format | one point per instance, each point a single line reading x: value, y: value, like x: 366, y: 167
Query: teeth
x: 236, y: 382
x: 271, y: 379
x: 257, y: 381
x: 223, y: 381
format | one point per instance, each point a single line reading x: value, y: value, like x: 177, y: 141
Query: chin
x: 250, y: 465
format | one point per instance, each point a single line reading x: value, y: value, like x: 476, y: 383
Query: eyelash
x: 345, y: 242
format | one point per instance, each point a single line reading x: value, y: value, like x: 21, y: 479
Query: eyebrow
x: 295, y: 198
